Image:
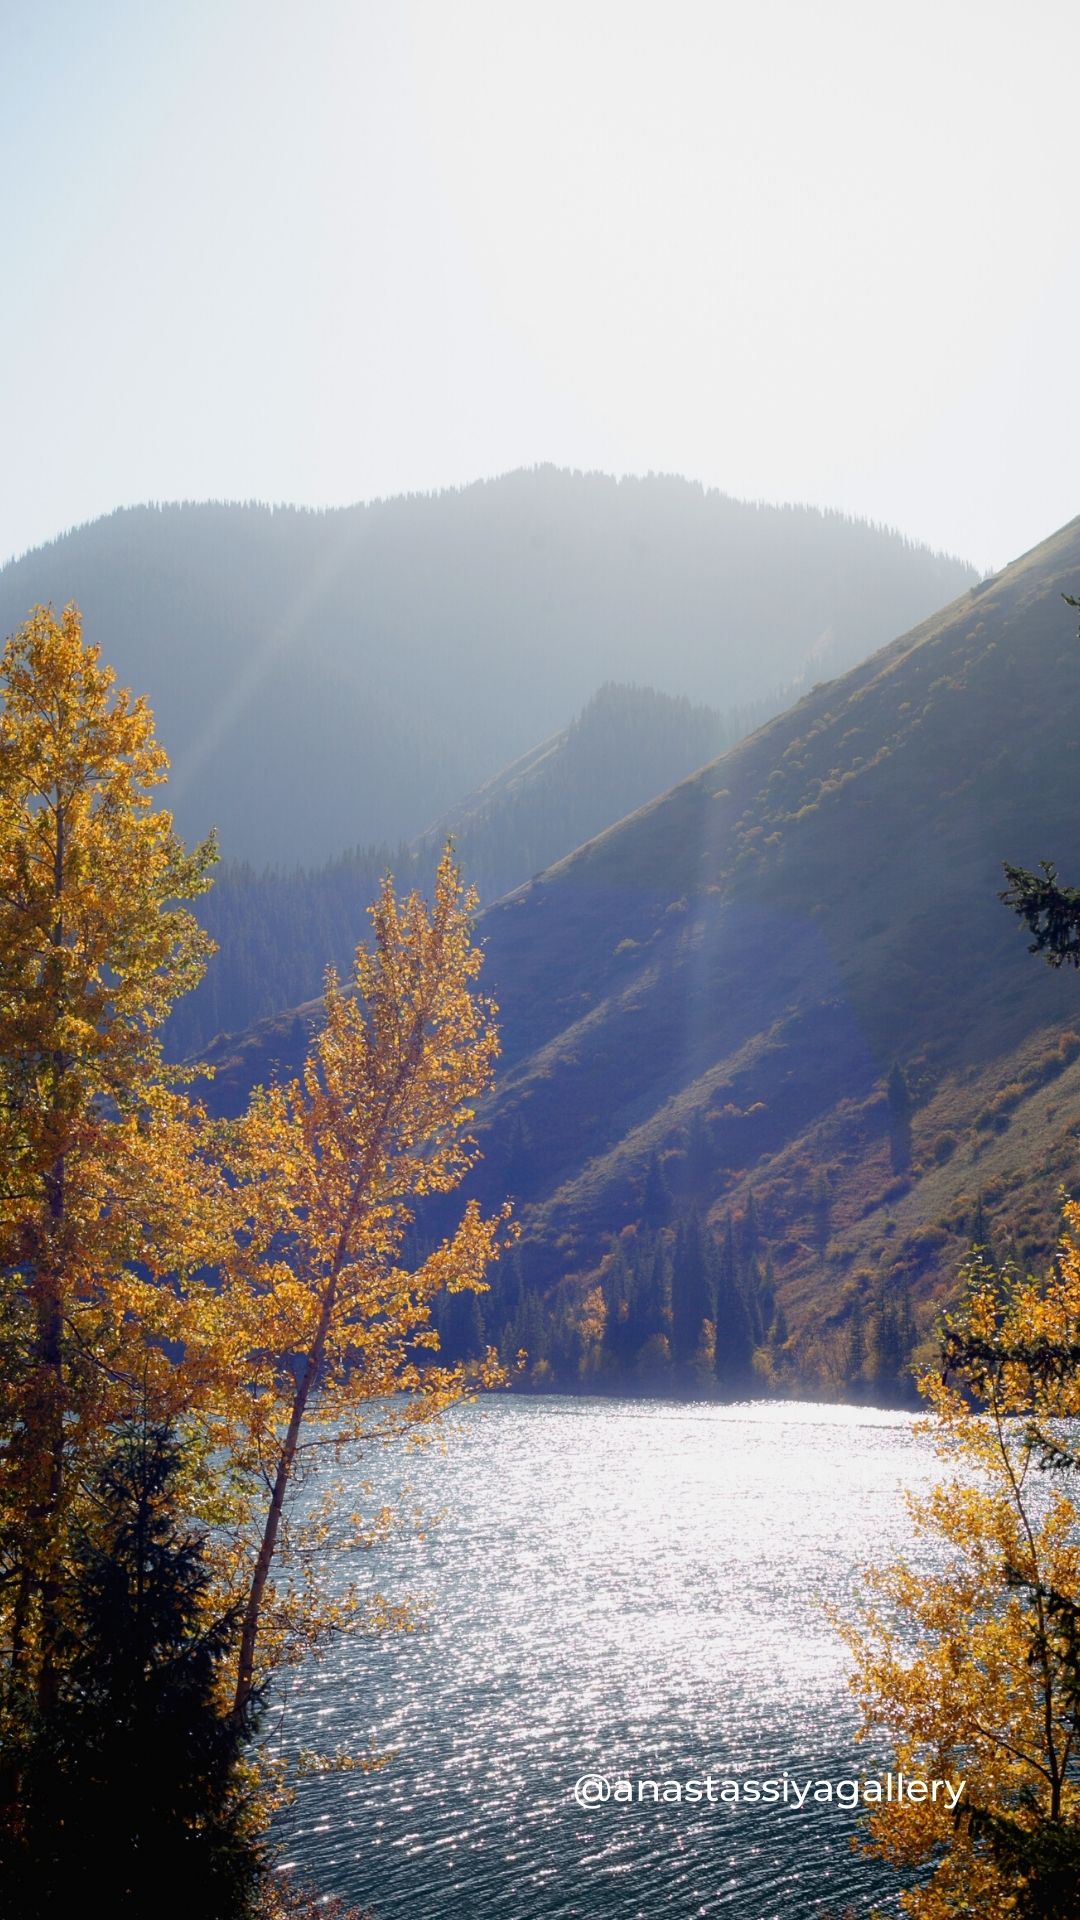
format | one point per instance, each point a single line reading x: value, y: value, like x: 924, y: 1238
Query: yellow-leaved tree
x: 100, y: 1164
x: 973, y: 1670
x: 243, y: 1287
x: 338, y: 1330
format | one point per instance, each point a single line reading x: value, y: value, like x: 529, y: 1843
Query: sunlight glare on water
x: 614, y: 1586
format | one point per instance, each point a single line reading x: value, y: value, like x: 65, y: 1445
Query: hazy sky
x: 321, y: 250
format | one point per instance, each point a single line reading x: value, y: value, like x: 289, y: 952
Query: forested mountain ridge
x: 327, y: 680
x: 627, y: 745
x: 786, y: 994
x: 277, y: 930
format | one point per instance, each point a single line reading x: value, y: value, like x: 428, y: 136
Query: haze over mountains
x: 326, y: 680
x: 782, y: 996
x: 279, y: 928
x: 720, y: 986
x: 627, y: 745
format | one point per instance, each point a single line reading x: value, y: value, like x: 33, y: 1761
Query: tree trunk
x: 245, y: 1677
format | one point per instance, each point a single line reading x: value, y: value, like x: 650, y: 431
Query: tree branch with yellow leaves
x: 334, y: 1164
x: 973, y: 1668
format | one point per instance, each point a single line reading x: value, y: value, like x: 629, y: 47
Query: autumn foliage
x: 974, y: 1670
x: 332, y: 1165
x: 100, y: 1165
x: 243, y: 1287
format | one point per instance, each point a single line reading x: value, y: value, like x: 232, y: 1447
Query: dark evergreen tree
x: 909, y: 1332
x: 855, y: 1347
x: 527, y: 1332
x: 751, y: 1286
x: 618, y: 1295
x: 692, y: 1298
x: 647, y: 1320
x: 1042, y: 1860
x: 734, y: 1365
x: 900, y: 1108
x: 564, y: 1342
x: 459, y: 1322
x: 655, y: 1195
x: 727, y: 1262
x: 892, y: 1336
x: 518, y: 1165
x: 700, y: 1157
x: 750, y: 1245
x: 132, y: 1774
x: 1051, y: 911
x: 505, y: 1294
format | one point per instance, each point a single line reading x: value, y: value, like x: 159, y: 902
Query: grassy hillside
x: 719, y: 987
x: 326, y: 680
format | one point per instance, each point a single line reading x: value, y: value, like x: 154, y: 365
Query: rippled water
x: 614, y: 1586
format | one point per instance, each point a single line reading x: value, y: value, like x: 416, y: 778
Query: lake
x: 615, y: 1587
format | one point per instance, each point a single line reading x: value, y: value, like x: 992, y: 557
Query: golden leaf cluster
x: 246, y: 1282
x: 971, y: 1667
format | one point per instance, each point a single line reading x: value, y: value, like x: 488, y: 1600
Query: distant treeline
x: 322, y: 680
x: 677, y: 1308
x: 277, y: 930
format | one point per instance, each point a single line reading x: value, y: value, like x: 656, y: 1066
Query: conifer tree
x: 618, y: 1293
x: 647, y: 1318
x: 692, y: 1300
x: 900, y: 1102
x: 519, y: 1157
x: 1051, y: 911
x: 887, y: 1350
x: 655, y: 1195
x: 459, y: 1323
x: 530, y: 1333
x: 133, y: 1770
x: 855, y: 1346
x: 700, y: 1156
x: 753, y: 1291
x: 751, y: 1232
x: 734, y: 1335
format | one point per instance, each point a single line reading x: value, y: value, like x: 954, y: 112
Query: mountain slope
x: 742, y: 962
x: 277, y: 930
x: 627, y: 745
x: 323, y: 680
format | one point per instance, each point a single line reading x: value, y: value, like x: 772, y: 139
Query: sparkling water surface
x: 613, y: 1587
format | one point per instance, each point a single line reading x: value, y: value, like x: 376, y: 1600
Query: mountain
x: 627, y: 745
x: 323, y: 680
x: 278, y: 929
x: 786, y: 995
